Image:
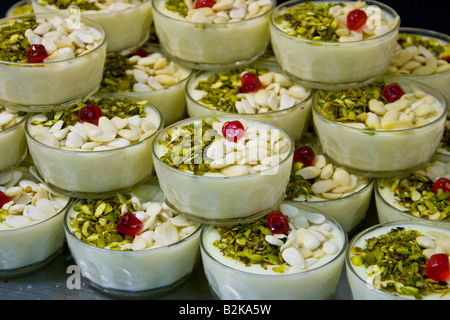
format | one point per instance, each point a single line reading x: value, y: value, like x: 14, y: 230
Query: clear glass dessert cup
x: 332, y: 65
x: 93, y: 174
x: 14, y: 145
x: 211, y: 45
x: 387, y: 212
x: 349, y: 210
x: 24, y: 250
x: 12, y: 10
x: 380, y: 153
x: 222, y: 200
x: 293, y: 120
x: 229, y: 283
x: 144, y: 273
x: 125, y: 29
x: 360, y: 287
x: 55, y: 85
x: 439, y: 81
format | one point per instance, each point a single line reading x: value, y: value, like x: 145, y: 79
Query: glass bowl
x: 380, y: 153
x: 92, y: 174
x: 438, y: 80
x: 132, y: 31
x: 28, y: 244
x: 170, y: 100
x: 292, y: 119
x: 230, y: 279
x: 145, y: 273
x: 443, y: 151
x: 20, y: 7
x: 214, y: 198
x: 54, y: 85
x: 369, y: 288
x: 12, y: 139
x: 332, y: 65
x: 211, y: 45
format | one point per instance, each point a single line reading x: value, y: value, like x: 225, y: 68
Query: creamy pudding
x: 319, y: 184
x: 31, y: 216
x: 222, y: 170
x: 52, y: 63
x: 132, y: 244
x: 97, y: 148
x: 382, y: 129
x: 324, y: 51
x: 228, y: 34
x: 260, y: 91
x: 146, y: 74
x: 301, y: 258
x: 427, y: 249
x: 12, y: 138
x: 126, y: 22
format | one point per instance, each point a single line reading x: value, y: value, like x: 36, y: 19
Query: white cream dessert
x: 132, y: 242
x: 259, y: 91
x: 151, y: 76
x: 381, y: 129
x: 292, y: 253
x: 416, y: 195
x: 48, y: 54
x: 126, y: 22
x: 375, y: 255
x: 207, y: 34
x: 319, y: 184
x: 31, y: 216
x: 328, y: 44
x: 12, y: 138
x: 222, y: 169
x: 98, y: 147
x: 424, y: 56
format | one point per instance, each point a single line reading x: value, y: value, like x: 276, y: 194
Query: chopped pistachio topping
x: 415, y: 193
x: 178, y: 6
x: 64, y: 4
x: 400, y: 262
x: 297, y: 185
x: 122, y: 108
x: 115, y: 76
x: 95, y: 222
x: 222, y: 90
x: 246, y: 243
x: 349, y: 105
x: 186, y: 147
x: 13, y: 43
x: 433, y: 45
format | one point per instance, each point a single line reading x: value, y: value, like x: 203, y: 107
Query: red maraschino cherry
x: 3, y: 199
x: 356, y: 19
x: 277, y: 222
x: 129, y: 224
x: 250, y: 82
x: 90, y: 113
x: 141, y: 52
x: 442, y: 184
x: 233, y: 130
x: 305, y: 155
x: 392, y: 92
x: 437, y: 267
x: 204, y: 3
x: 36, y: 53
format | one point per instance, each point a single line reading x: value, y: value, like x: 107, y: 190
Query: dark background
x: 425, y: 14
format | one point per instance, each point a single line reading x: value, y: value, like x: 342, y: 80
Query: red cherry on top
x: 392, y: 92
x: 90, y: 113
x: 36, y: 53
x: 141, y: 52
x: 446, y: 59
x: 129, y: 225
x: 233, y: 130
x: 204, y: 3
x: 3, y: 199
x: 305, y: 155
x: 277, y: 222
x: 356, y: 19
x: 250, y: 82
x: 442, y: 184
x: 437, y: 267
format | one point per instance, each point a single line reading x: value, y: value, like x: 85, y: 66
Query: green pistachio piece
x: 64, y: 4
x: 178, y: 6
x: 13, y: 43
x: 298, y: 186
x: 115, y: 76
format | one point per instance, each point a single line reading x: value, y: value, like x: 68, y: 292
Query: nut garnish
x: 396, y: 262
x: 96, y: 5
x: 9, y: 118
x: 13, y: 43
